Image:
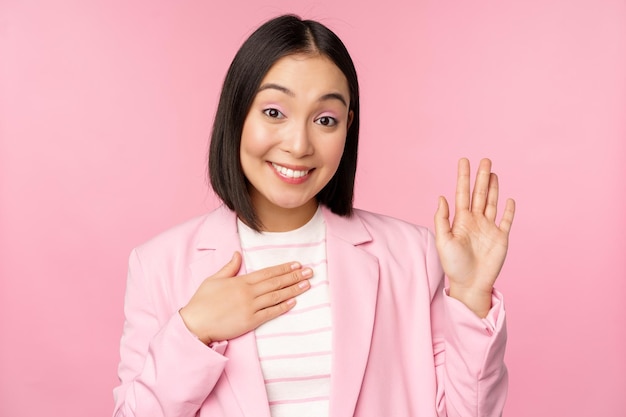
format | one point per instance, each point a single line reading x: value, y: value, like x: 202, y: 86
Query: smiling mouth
x: 290, y: 173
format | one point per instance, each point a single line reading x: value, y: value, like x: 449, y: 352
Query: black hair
x: 275, y: 39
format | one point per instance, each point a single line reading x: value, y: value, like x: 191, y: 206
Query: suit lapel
x: 218, y: 239
x: 354, y: 287
x: 353, y: 277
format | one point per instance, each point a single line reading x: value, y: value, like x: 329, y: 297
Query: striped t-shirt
x: 295, y: 348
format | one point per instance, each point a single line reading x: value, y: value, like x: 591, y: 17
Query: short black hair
x: 275, y: 39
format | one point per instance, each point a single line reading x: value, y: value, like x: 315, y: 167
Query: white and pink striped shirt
x: 295, y: 348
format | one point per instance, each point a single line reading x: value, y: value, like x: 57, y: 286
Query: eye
x: 326, y: 121
x: 273, y: 113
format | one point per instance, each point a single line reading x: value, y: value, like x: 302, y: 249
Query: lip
x: 302, y: 173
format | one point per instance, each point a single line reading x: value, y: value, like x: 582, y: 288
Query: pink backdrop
x: 105, y: 110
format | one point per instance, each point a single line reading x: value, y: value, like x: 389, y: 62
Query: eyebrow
x: 329, y: 96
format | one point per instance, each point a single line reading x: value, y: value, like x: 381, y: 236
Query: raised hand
x: 226, y: 306
x: 472, y: 249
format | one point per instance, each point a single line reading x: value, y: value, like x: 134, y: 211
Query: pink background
x: 105, y: 111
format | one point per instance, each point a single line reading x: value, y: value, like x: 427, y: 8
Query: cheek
x: 334, y: 152
x: 341, y: 144
x: 338, y: 152
x: 254, y: 140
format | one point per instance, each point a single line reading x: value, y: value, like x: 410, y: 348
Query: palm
x: 472, y: 250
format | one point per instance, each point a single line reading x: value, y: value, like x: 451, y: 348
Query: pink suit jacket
x: 401, y: 346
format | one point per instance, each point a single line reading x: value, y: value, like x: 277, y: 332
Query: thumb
x: 442, y: 219
x: 231, y: 268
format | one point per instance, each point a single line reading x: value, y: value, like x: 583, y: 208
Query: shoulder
x: 189, y: 234
x: 403, y: 249
x: 379, y: 233
x: 387, y: 227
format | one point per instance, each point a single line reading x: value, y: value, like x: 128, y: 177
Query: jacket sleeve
x: 164, y: 369
x: 472, y: 379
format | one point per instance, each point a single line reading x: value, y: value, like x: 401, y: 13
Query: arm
x: 164, y: 369
x: 472, y: 378
x: 469, y: 330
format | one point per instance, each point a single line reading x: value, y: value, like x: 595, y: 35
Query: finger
x: 481, y: 186
x: 231, y: 268
x: 507, y: 217
x: 272, y: 272
x: 273, y: 298
x: 462, y: 197
x: 282, y: 281
x: 442, y: 219
x: 270, y: 313
x: 491, y: 209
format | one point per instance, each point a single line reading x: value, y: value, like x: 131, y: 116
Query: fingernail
x: 307, y: 272
x: 295, y: 266
x: 291, y: 301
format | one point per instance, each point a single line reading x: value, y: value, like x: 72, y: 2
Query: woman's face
x: 293, y: 138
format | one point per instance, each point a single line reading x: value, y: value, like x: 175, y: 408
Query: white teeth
x: 290, y: 173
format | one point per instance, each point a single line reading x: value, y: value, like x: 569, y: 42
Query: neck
x: 278, y: 219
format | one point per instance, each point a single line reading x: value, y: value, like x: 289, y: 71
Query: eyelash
x: 277, y: 114
x: 331, y: 121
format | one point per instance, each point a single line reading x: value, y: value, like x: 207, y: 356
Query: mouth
x: 289, y: 172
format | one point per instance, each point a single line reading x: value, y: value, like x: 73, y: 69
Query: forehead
x: 305, y: 72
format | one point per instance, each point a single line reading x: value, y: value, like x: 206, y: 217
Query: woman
x: 287, y: 301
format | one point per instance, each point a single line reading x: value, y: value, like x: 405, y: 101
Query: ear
x: 350, y: 118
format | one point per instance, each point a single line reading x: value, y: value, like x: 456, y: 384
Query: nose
x: 298, y: 141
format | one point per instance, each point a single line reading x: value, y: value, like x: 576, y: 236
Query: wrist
x: 192, y: 329
x: 478, y: 300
